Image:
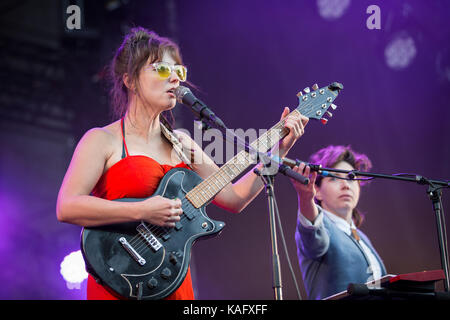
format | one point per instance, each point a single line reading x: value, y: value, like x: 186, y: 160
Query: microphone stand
x: 268, y: 181
x: 268, y: 177
x: 434, y: 192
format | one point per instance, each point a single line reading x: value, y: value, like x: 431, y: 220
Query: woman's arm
x: 76, y: 206
x: 306, y: 193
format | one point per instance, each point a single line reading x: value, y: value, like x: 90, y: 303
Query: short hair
x: 330, y: 156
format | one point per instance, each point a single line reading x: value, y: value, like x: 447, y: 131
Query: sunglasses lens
x: 163, y: 70
x: 181, y: 72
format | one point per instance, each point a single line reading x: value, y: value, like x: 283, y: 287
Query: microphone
x: 314, y: 167
x: 185, y: 96
x: 285, y: 169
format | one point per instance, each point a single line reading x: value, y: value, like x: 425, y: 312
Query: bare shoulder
x: 100, y: 139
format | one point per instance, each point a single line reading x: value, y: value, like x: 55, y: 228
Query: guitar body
x: 138, y: 260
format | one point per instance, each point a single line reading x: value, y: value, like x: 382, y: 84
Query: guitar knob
x: 152, y: 283
x: 173, y: 259
x: 166, y: 273
x: 324, y: 121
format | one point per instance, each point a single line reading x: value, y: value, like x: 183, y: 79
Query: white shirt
x: 343, y: 225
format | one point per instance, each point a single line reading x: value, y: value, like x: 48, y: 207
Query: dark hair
x: 330, y: 156
x: 138, y: 46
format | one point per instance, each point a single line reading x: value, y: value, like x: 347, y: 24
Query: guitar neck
x: 208, y: 188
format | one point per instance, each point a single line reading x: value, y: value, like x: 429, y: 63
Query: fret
x: 214, y: 180
x: 237, y: 162
x: 242, y: 157
x: 200, y: 194
x: 226, y: 171
x: 229, y: 171
x: 199, y: 199
x: 193, y: 198
x: 206, y: 189
x: 237, y: 169
x: 226, y: 176
x: 225, y: 181
x: 246, y: 159
x: 260, y: 142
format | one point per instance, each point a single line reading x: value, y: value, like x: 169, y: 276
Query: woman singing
x: 129, y: 157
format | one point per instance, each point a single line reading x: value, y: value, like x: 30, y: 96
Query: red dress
x: 133, y: 177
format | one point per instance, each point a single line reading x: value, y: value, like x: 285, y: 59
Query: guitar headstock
x: 315, y: 104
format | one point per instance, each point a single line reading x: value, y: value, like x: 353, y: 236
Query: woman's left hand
x: 296, y: 123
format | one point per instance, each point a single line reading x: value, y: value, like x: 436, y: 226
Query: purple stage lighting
x: 400, y: 52
x: 332, y: 9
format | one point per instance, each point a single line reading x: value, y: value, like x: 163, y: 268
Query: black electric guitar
x: 145, y: 261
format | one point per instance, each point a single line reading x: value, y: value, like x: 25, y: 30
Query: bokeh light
x: 73, y: 270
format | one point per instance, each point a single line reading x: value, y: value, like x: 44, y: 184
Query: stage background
x: 248, y: 59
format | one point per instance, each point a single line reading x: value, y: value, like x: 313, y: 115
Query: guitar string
x: 157, y: 231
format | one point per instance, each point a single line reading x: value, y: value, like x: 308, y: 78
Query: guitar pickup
x: 189, y: 211
x: 148, y: 236
x: 189, y: 215
x: 178, y: 225
x: 165, y: 236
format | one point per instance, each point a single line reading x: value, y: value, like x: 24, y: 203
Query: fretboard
x: 208, y: 188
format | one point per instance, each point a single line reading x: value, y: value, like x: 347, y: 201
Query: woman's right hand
x: 305, y: 191
x: 161, y: 211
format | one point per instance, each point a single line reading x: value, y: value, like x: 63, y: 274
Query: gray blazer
x: 330, y: 259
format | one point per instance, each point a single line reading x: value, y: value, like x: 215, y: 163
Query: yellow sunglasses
x: 164, y: 70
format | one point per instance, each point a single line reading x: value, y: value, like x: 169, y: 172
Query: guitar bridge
x: 136, y: 256
x: 148, y: 236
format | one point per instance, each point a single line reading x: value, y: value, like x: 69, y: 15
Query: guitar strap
x: 177, y: 146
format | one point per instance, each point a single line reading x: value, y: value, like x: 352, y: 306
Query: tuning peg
x: 306, y: 90
x: 315, y: 86
x: 324, y: 121
x: 336, y: 86
x: 299, y: 94
x: 329, y: 114
x: 333, y: 106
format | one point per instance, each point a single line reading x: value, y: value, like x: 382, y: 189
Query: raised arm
x: 306, y: 194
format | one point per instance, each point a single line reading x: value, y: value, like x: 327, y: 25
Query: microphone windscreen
x: 180, y: 92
